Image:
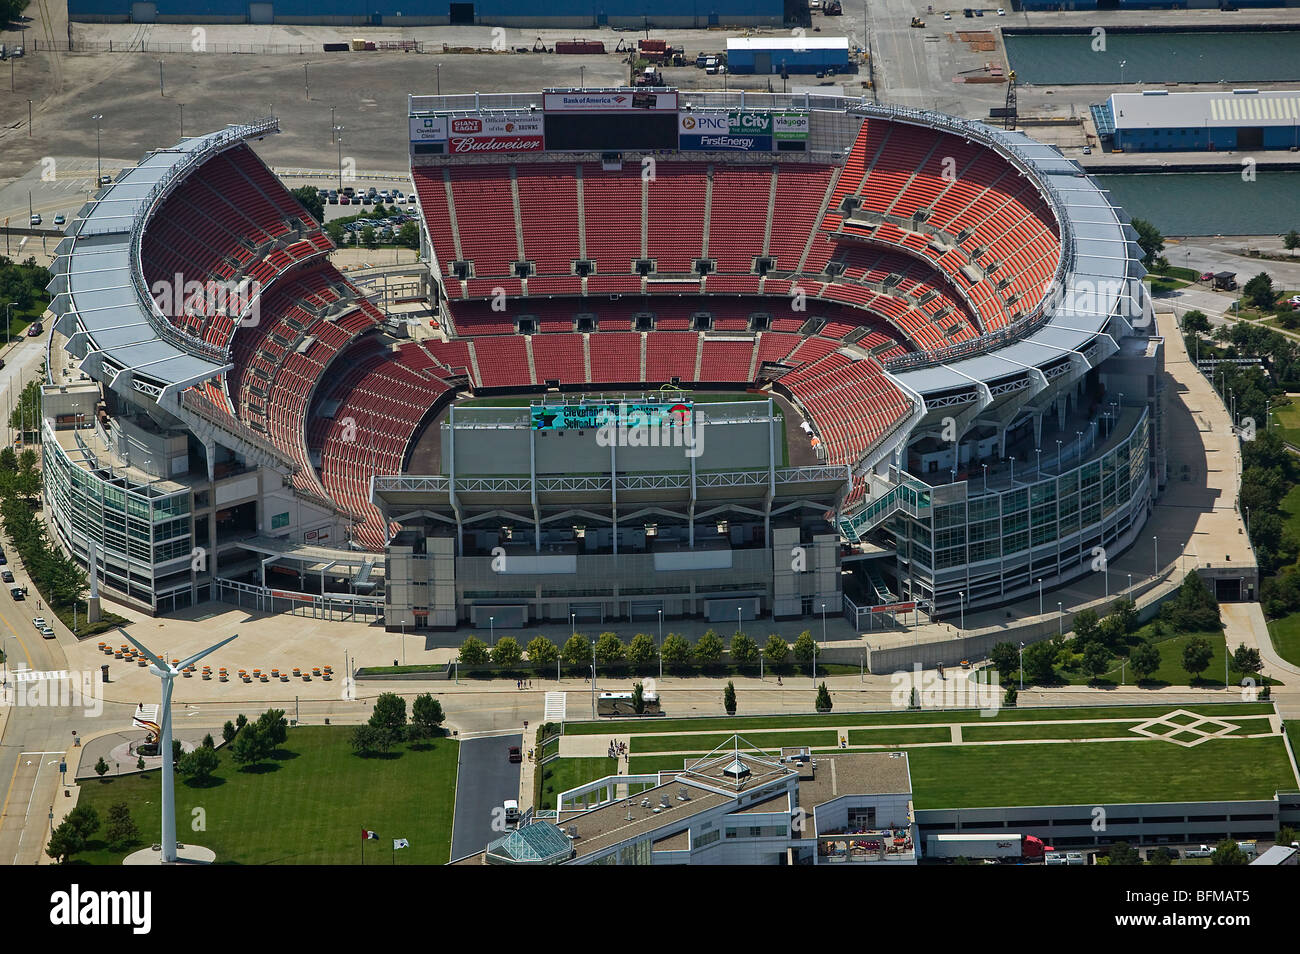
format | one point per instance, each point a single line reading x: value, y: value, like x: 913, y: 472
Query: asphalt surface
x: 486, y: 778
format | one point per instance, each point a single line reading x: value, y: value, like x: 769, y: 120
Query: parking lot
x: 485, y: 779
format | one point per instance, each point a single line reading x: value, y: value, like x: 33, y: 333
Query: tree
x: 389, y: 716
x: 408, y: 236
x: 506, y: 653
x: 708, y: 650
x: 641, y: 650
x: 199, y: 764
x: 274, y: 727
x: 823, y: 699
x: 84, y: 820
x: 473, y: 651
x: 250, y: 747
x: 368, y: 236
x: 367, y: 740
x: 310, y: 200
x: 1010, y: 697
x: 609, y: 648
x: 743, y: 650
x: 542, y: 653
x: 228, y: 731
x: 1126, y: 613
x: 139, y: 763
x: 8, y: 459
x: 426, y: 717
x: 1196, y: 322
x: 1197, y: 655
x: 577, y: 650
x: 805, y: 647
x: 777, y: 650
x: 676, y: 650
x: 241, y: 720
x: 64, y: 843
x: 1096, y: 659
x: 1005, y: 658
x: 1246, y: 660
x: 1144, y: 659
x: 1195, y: 609
x: 1291, y: 241
x: 1160, y: 856
x: 208, y: 742
x: 122, y: 830
x: 1228, y: 852
x: 335, y: 231
x: 101, y: 767
x: 1085, y: 626
x: 1259, y: 292
x: 1149, y: 240
x: 638, y: 698
x: 1040, y: 659
x: 729, y: 698
x: 1122, y: 853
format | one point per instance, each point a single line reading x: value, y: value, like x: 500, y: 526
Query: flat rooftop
x: 1161, y: 109
x: 856, y: 773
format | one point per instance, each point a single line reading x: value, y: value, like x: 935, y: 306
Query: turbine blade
x: 138, y: 645
x: 199, y: 655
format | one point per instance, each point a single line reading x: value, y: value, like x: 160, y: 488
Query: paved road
x: 486, y: 779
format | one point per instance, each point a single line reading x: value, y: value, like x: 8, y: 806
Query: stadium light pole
x: 99, y: 170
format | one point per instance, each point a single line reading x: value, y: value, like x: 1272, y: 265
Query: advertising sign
x: 428, y: 128
x: 488, y: 134
x: 725, y: 142
x: 698, y: 124
x: 789, y: 125
x: 608, y: 101
x: 759, y: 124
x: 562, y: 417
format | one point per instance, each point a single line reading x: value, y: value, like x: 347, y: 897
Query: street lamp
x: 1130, y: 585
x: 661, y: 645
x: 492, y: 631
x: 1040, y: 596
x: 1155, y: 555
x: 9, y: 320
x: 814, y: 672
x: 1060, y: 620
x: 986, y: 477
x: 1058, y: 457
x: 1022, y: 664
x: 961, y: 601
x: 99, y: 171
x: 339, y: 138
x: 332, y: 127
x: 1122, y: 64
x: 1013, y: 472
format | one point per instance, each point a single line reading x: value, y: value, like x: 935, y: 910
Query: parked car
x: 60, y: 219
x: 1294, y: 300
x: 7, y: 575
x: 515, y: 754
x: 17, y: 592
x: 947, y: 16
x: 3, y: 558
x: 36, y: 330
x: 1087, y: 150
x: 105, y: 180
x: 345, y: 200
x: 47, y: 633
x: 333, y: 199
x: 1202, y: 851
x: 1001, y: 12
x: 410, y: 199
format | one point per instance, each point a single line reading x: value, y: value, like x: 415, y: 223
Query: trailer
x: 1001, y: 847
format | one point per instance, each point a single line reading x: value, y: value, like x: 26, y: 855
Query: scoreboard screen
x: 632, y: 129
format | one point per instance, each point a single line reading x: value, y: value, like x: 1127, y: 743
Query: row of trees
x: 388, y: 724
x: 1097, y: 642
x: 75, y: 831
x: 21, y: 282
x: 55, y: 574
x: 541, y: 653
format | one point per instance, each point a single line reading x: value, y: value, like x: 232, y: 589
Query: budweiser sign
x: 473, y: 144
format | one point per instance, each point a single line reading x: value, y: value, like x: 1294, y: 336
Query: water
x: 1153, y: 59
x: 1210, y: 203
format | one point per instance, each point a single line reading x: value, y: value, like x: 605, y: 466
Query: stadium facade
x: 634, y: 14
x: 690, y: 354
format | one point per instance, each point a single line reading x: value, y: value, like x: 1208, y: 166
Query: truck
x: 511, y: 811
x: 1001, y: 847
x: 655, y: 51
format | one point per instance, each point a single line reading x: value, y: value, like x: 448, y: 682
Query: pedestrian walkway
x: 555, y: 706
x: 1245, y: 623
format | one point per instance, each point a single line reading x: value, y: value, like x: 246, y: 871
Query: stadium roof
x: 98, y: 287
x: 1161, y: 109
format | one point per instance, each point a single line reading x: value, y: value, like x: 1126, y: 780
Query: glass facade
x: 144, y: 539
x: 995, y: 545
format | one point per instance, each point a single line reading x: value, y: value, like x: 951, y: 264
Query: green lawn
x: 1171, y: 671
x: 1098, y: 772
x: 1287, y: 418
x: 306, y: 807
x: 1286, y: 635
x: 645, y: 744
x: 561, y: 775
x: 1077, y: 730
x: 747, y: 724
x: 934, y: 733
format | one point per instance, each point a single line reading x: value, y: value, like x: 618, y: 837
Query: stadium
x: 697, y: 354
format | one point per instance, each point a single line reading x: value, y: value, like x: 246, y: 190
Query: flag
x: 400, y: 843
x: 367, y: 835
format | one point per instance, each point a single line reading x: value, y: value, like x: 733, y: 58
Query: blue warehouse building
x: 801, y: 54
x: 1216, y: 121
x: 663, y: 14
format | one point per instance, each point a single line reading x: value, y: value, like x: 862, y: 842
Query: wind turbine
x: 167, y: 673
